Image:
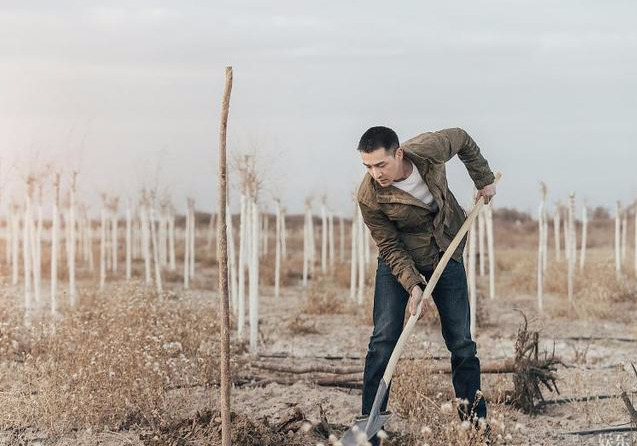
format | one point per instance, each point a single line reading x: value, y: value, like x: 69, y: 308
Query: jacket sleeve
x: 457, y: 141
x: 390, y: 247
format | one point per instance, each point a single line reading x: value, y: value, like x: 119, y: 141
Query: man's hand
x: 487, y: 192
x: 414, y: 300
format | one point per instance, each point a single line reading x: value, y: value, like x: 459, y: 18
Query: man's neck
x: 407, y: 169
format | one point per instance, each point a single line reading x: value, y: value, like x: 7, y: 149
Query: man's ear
x: 399, y: 153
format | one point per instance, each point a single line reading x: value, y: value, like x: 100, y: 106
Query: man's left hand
x: 487, y: 192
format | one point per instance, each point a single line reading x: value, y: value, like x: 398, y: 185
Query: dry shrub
x: 342, y: 274
x: 432, y: 415
x: 286, y: 274
x: 515, y: 272
x: 13, y: 336
x: 532, y: 369
x: 176, y: 276
x: 596, y: 288
x: 301, y: 325
x: 108, y: 364
x: 324, y: 297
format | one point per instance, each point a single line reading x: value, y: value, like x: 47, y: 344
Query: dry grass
x: 598, y: 294
x: 107, y: 364
x: 433, y: 415
x: 110, y: 363
x: 324, y: 297
x: 302, y: 325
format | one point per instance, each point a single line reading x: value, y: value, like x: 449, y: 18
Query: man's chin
x: 385, y: 183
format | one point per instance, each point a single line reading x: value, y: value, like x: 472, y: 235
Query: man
x: 413, y: 216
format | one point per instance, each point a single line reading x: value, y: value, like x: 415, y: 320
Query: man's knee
x: 383, y: 339
x: 464, y: 349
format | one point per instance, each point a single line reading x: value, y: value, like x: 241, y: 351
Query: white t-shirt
x: 415, y: 185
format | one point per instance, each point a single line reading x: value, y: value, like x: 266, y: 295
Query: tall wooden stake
x: 618, y: 259
x: 222, y: 255
x: 571, y: 246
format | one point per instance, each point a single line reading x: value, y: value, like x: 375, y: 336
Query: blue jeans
x: 452, y: 300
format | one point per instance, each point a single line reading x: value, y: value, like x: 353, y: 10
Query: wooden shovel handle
x: 433, y: 280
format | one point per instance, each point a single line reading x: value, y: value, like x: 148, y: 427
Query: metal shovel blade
x: 363, y: 430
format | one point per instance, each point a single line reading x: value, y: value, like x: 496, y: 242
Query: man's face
x: 384, y: 167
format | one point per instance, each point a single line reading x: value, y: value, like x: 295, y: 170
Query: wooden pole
x: 284, y: 250
x: 571, y: 246
x: 353, y: 253
x: 306, y: 243
x: 323, y: 236
x: 222, y: 255
x: 232, y: 259
x: 491, y: 250
x: 89, y: 243
x: 128, y: 241
x: 26, y: 256
x: 37, y: 265
x: 15, y: 243
x: 541, y: 246
x: 341, y: 238
x: 55, y: 230
x: 472, y: 279
x: 360, y: 244
x: 155, y: 249
x: 71, y: 260
x: 481, y: 250
x: 193, y: 236
x: 102, y: 248
x: 187, y: 247
x: 624, y: 235
x: 618, y: 259
x: 146, y: 241
x: 253, y: 283
x: 556, y: 230
x: 330, y: 234
x: 582, y: 257
x: 635, y: 253
x: 171, y: 240
x: 277, y: 249
x: 114, y: 234
x: 243, y: 240
x: 312, y: 240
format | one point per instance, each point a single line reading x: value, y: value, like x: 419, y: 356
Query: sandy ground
x: 595, y: 367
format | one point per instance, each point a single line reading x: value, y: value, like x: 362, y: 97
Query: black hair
x: 377, y: 137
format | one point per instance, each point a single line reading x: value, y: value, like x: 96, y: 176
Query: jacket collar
x: 392, y: 194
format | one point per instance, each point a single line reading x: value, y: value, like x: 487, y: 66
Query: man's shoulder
x: 427, y: 144
x: 366, y: 193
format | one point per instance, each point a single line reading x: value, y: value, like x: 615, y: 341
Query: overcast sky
x: 129, y: 92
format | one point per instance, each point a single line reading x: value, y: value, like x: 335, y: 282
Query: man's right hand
x: 414, y: 300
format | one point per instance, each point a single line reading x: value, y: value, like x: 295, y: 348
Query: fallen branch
x: 334, y: 381
x: 603, y: 431
x: 309, y: 369
x: 581, y: 399
x: 597, y: 338
x: 492, y: 367
x: 343, y: 357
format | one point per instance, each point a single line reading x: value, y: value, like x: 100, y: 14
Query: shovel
x: 366, y: 427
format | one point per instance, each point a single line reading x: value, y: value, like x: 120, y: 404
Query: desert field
x: 129, y: 364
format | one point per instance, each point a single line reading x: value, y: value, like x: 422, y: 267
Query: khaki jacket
x: 410, y: 235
